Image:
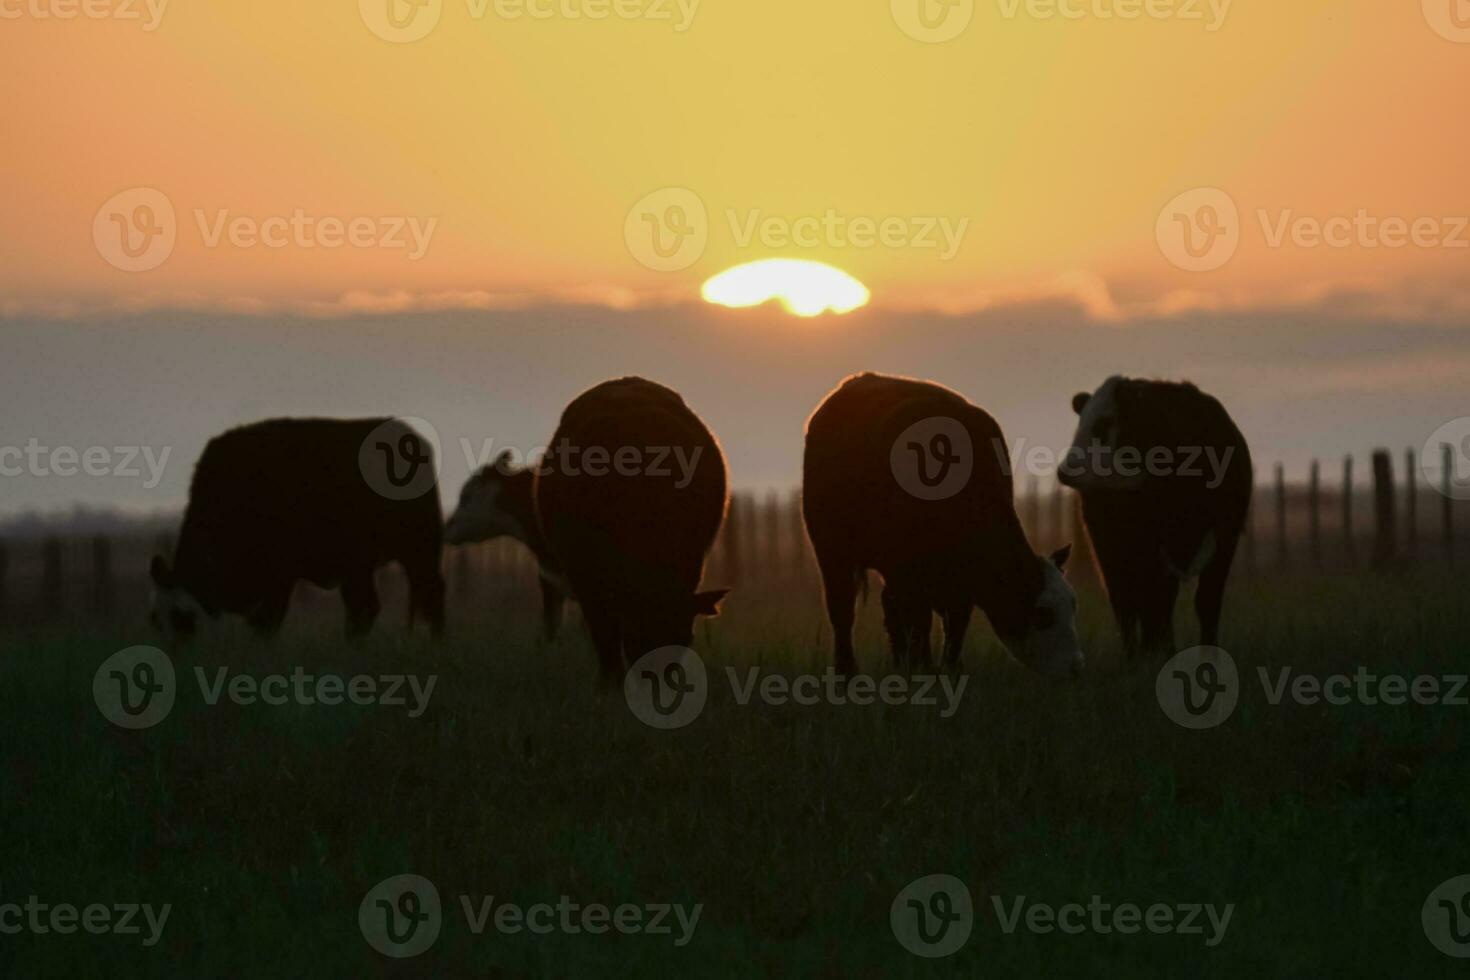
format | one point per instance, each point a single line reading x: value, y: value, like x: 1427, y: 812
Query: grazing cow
x: 869, y: 500
x: 299, y: 499
x: 630, y: 497
x: 1165, y: 478
x: 499, y: 501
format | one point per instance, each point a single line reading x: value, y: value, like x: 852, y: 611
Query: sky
x: 471, y: 210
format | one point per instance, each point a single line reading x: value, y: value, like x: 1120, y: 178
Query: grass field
x: 794, y: 826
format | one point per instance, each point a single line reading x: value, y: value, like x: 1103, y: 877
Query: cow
x: 630, y: 496
x: 1165, y: 479
x: 872, y: 499
x: 325, y: 501
x: 499, y: 501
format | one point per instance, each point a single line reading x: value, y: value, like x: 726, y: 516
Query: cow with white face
x: 1165, y: 479
x: 498, y: 501
x: 871, y: 501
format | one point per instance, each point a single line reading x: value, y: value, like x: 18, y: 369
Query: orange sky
x: 1048, y: 146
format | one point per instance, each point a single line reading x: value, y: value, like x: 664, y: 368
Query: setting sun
x: 804, y: 287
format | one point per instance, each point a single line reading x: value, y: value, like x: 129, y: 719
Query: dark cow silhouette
x: 879, y: 451
x: 630, y: 496
x: 321, y: 500
x: 1165, y: 478
x: 499, y: 500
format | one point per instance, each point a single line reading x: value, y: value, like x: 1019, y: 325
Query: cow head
x: 1104, y: 453
x: 176, y: 613
x: 496, y: 502
x: 654, y: 622
x: 1041, y: 630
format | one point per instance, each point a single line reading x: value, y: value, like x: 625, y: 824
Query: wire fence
x: 1393, y: 522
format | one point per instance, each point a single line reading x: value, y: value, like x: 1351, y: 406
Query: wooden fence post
x: 103, y: 590
x: 52, y: 582
x: 1248, y: 534
x: 750, y: 529
x: 773, y: 530
x: 1033, y: 512
x: 1281, y: 551
x: 1347, y: 509
x: 1314, y: 509
x: 797, y: 524
x: 1411, y: 506
x: 730, y: 540
x: 1059, y: 529
x: 1447, y: 502
x: 1385, y: 536
x: 1081, y: 566
x: 461, y: 572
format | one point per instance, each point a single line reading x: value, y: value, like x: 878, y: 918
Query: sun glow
x: 804, y: 287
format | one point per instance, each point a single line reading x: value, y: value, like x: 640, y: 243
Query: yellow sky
x: 1048, y: 147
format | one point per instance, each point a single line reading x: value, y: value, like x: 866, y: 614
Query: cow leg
x: 907, y: 620
x: 426, y: 596
x: 956, y: 622
x: 1158, y: 616
x: 552, y: 603
x: 839, y: 584
x: 607, y: 636
x: 360, y: 596
x: 266, y: 618
x: 1209, y: 598
x: 1125, y: 596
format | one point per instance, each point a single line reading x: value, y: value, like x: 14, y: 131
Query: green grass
x: 795, y: 826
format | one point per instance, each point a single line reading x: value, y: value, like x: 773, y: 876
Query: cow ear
x: 708, y: 603
x: 1060, y: 556
x: 162, y: 575
x: 1079, y: 401
x: 503, y: 461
